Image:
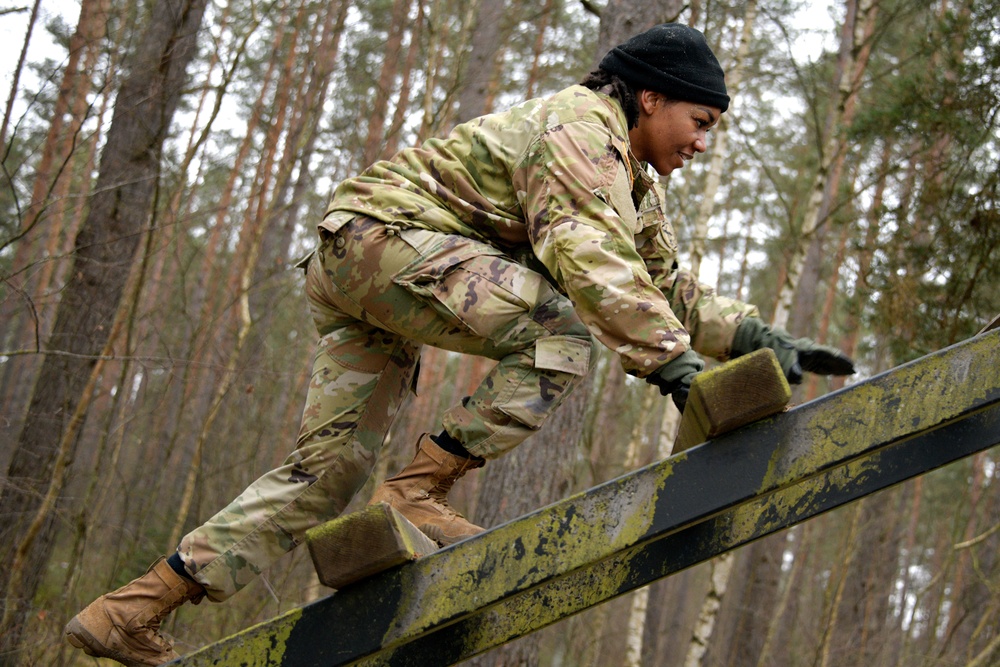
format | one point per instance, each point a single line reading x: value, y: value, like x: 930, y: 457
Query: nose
x: 701, y: 142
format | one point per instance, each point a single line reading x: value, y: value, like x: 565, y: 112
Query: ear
x: 648, y: 99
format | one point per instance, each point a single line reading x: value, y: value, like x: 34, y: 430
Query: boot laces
x: 153, y: 624
x: 156, y: 638
x: 439, y: 495
x: 439, y: 492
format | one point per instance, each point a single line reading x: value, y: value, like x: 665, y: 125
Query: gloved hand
x: 675, y: 376
x: 794, y: 354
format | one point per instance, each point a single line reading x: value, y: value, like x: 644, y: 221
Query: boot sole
x: 80, y: 638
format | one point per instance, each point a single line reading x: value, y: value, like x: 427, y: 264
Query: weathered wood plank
x: 363, y: 543
x: 727, y: 397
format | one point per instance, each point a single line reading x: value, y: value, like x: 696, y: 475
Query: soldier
x: 529, y: 237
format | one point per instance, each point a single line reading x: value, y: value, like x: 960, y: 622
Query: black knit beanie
x: 672, y: 59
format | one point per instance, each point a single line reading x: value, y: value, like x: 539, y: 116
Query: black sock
x: 451, y: 445
x: 175, y: 562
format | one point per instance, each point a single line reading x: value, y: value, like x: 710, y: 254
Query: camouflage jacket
x: 552, y: 181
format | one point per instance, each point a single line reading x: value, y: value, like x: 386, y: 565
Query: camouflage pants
x: 377, y: 293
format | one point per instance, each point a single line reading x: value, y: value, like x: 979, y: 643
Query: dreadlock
x: 614, y: 86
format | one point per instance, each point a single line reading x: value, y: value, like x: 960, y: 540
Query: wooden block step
x: 363, y: 543
x: 732, y: 395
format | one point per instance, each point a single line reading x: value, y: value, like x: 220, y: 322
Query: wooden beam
x: 644, y: 564
x: 700, y: 502
x: 363, y: 543
x: 994, y: 324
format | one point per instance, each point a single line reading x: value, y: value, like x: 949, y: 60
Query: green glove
x: 675, y: 376
x: 794, y: 354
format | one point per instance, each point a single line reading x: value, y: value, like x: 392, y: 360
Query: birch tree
x: 719, y: 147
x: 857, y: 33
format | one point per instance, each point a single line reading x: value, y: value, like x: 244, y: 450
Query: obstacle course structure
x: 648, y: 524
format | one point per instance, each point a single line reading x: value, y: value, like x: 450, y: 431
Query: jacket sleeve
x: 575, y: 190
x: 709, y: 318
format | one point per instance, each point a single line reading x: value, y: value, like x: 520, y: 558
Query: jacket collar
x: 639, y: 177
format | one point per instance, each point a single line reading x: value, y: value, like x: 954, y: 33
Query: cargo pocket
x: 473, y: 285
x: 562, y: 353
x: 539, y: 394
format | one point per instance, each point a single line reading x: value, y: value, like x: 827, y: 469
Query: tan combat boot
x: 420, y: 492
x: 124, y: 625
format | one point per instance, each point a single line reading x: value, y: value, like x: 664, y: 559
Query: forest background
x: 165, y: 162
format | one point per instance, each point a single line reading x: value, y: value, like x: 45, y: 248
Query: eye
x: 705, y: 124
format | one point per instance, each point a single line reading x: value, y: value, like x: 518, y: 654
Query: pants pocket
x: 565, y: 354
x: 473, y: 285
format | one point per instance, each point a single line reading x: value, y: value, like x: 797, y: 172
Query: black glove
x: 675, y: 376
x: 794, y: 354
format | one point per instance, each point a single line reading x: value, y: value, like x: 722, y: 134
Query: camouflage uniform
x: 523, y: 236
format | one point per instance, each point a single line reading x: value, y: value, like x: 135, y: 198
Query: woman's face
x: 670, y: 133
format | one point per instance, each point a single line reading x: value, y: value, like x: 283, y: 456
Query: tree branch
x: 592, y: 7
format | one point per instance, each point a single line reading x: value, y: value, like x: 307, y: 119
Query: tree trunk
x: 865, y: 259
x: 43, y: 231
x: 403, y: 102
x: 908, y: 564
x: 855, y: 50
x: 386, y: 81
x: 488, y: 38
x: 768, y: 651
x: 635, y: 629
x: 622, y: 19
x: 721, y: 569
x: 858, y: 614
x: 205, y: 298
x: 105, y: 247
x: 16, y: 78
x: 966, y: 582
x: 838, y: 583
x: 548, y: 19
x: 749, y: 603
x: 832, y: 289
x: 236, y: 321
x: 429, y: 122
x: 719, y: 148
